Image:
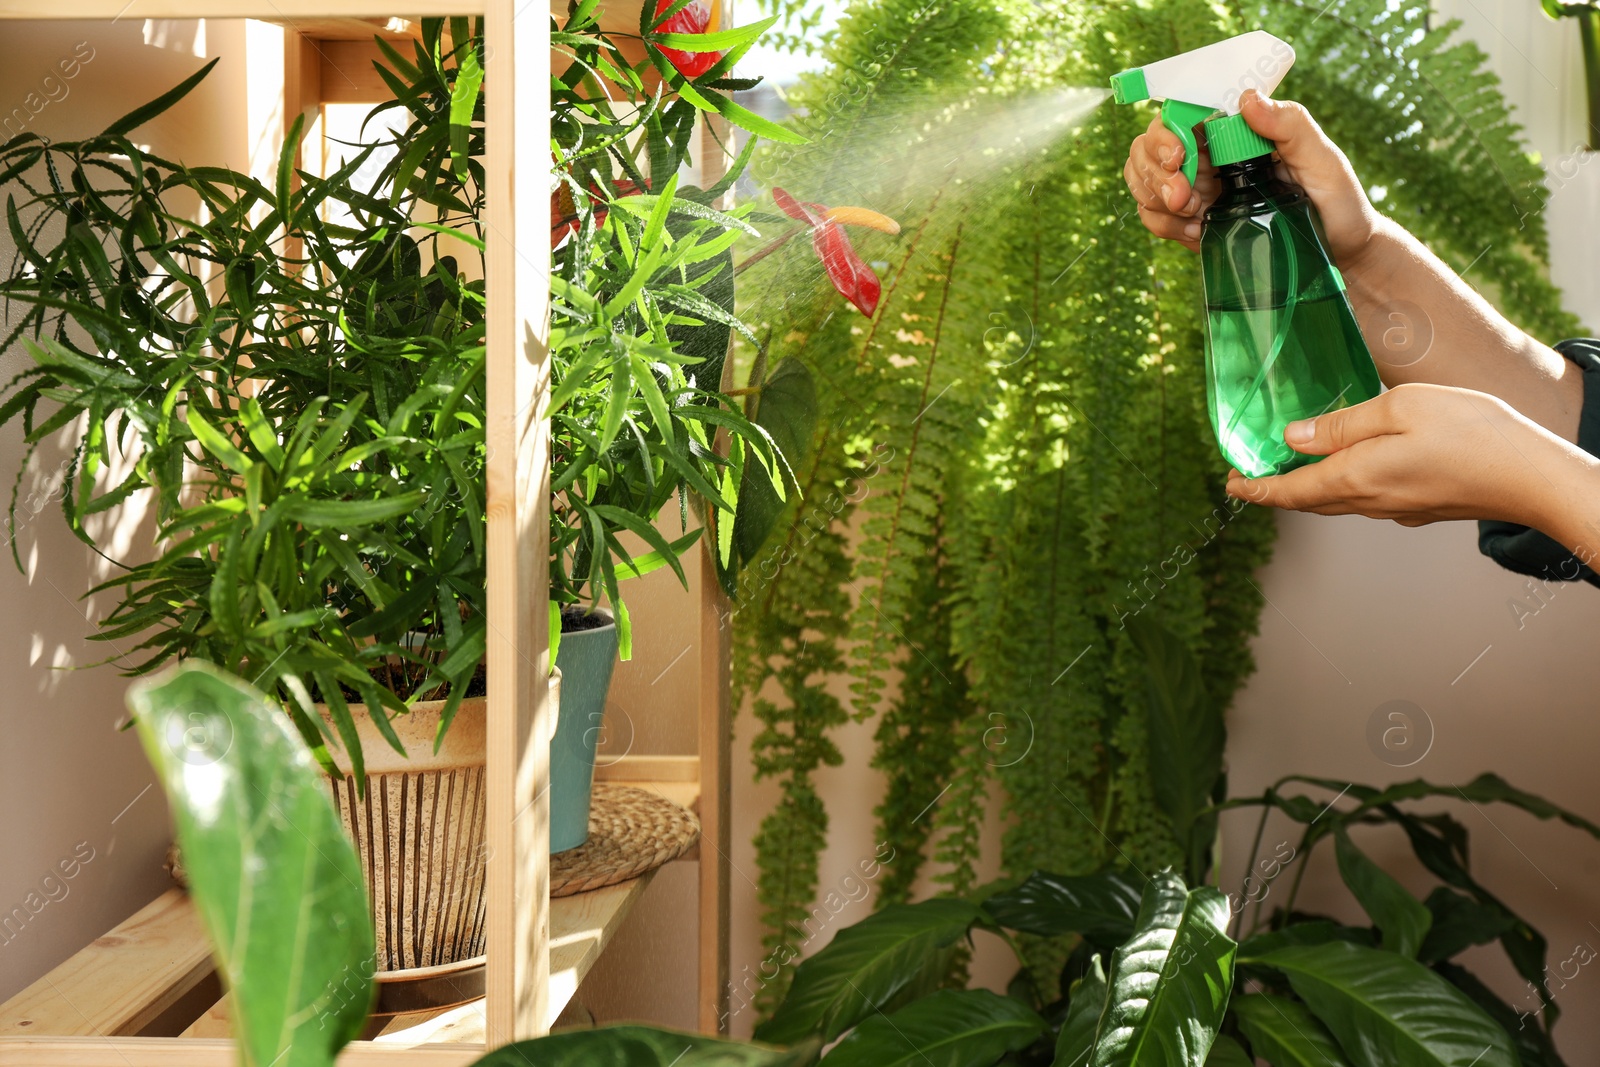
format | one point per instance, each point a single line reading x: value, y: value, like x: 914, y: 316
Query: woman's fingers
x: 1152, y: 184
x: 1319, y: 488
x: 1171, y: 227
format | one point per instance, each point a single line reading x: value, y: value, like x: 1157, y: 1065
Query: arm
x: 1460, y: 340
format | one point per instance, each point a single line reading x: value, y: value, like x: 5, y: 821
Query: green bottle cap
x: 1229, y: 139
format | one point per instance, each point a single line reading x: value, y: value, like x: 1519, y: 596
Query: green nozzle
x: 1129, y: 86
x: 1229, y: 139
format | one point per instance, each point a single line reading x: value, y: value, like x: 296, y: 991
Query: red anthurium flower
x: 698, y: 16
x: 564, y: 211
x: 854, y: 279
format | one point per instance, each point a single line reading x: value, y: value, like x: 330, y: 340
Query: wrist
x: 1368, y: 260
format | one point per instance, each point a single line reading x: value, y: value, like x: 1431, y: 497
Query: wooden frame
x: 177, y: 976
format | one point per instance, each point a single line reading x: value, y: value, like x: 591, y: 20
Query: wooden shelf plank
x: 581, y: 926
x: 188, y: 1052
x: 123, y: 981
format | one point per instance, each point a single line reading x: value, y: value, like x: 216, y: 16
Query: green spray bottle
x: 1281, y: 341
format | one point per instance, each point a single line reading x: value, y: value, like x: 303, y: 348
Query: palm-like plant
x: 303, y: 398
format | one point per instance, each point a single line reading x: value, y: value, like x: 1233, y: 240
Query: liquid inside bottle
x: 1281, y: 341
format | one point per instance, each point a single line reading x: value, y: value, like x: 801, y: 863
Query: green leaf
x: 1086, y: 1001
x: 950, y: 1028
x: 1185, y: 735
x: 1170, y: 982
x: 1285, y: 1033
x: 353, y: 513
x: 717, y: 41
x: 864, y: 966
x: 1459, y: 922
x: 1484, y: 789
x: 1101, y: 907
x: 212, y: 440
x: 786, y: 409
x: 1316, y: 932
x: 1401, y: 917
x: 641, y: 1046
x: 1534, y: 1046
x: 1390, y: 1011
x: 463, y: 103
x: 143, y: 114
x: 274, y: 878
x: 1226, y: 1052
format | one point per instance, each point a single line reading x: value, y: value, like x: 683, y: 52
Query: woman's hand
x: 1422, y: 453
x: 1170, y: 208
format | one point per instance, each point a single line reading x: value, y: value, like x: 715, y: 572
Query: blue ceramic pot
x: 586, y: 659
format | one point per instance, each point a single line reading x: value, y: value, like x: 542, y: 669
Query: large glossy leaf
x: 1086, y: 1001
x: 1400, y: 917
x: 864, y: 967
x: 950, y: 1028
x: 1285, y: 1033
x: 1170, y: 982
x: 1101, y: 907
x: 1315, y: 932
x: 1390, y: 1011
x: 786, y: 409
x: 276, y: 881
x: 641, y: 1046
x: 1185, y: 734
x: 1460, y: 922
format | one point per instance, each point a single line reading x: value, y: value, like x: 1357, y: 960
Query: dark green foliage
x: 296, y: 384
x: 643, y: 306
x: 1012, y: 457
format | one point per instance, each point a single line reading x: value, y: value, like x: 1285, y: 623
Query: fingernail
x: 1164, y: 153
x: 1193, y: 205
x: 1300, y: 433
x: 1192, y: 231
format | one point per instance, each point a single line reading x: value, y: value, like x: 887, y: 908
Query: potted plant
x: 302, y: 401
x: 642, y: 317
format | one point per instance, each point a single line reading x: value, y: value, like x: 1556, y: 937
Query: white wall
x: 75, y: 790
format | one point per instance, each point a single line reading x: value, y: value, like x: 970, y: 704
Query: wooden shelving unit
x: 146, y: 994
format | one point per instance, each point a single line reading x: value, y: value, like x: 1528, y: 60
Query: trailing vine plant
x: 1009, y: 458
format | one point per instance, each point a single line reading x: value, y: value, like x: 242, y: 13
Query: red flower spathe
x: 854, y: 280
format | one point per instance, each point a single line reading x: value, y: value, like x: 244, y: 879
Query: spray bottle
x: 1281, y: 341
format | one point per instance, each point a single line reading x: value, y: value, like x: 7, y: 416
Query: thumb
x: 1335, y: 430
x: 1300, y: 141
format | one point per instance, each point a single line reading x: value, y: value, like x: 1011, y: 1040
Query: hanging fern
x: 1012, y: 456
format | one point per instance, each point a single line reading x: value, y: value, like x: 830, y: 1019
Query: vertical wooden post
x: 716, y: 717
x: 517, y: 276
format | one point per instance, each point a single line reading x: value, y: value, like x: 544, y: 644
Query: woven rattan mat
x: 631, y: 831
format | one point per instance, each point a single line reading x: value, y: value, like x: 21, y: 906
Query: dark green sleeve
x: 1528, y: 551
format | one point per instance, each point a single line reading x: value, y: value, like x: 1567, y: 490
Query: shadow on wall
x: 89, y: 853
